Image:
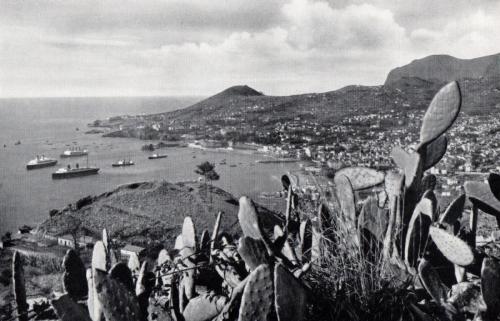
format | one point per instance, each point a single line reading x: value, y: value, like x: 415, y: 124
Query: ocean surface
x: 48, y: 126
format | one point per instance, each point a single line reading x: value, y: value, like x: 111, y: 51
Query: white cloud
x: 110, y: 47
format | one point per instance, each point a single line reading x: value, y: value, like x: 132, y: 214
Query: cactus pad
x: 99, y: 258
x: 249, y: 219
x: 305, y: 235
x: 134, y: 264
x: 122, y: 273
x: 204, y: 307
x: 362, y: 177
x: 68, y: 310
x: 453, y: 211
x: 373, y: 219
x: 394, y: 184
x: 18, y: 285
x: 189, y: 233
x: 453, y: 248
x: 179, y: 245
x: 258, y: 295
x: 442, y: 112
x: 74, y: 279
x: 253, y: 252
x: 92, y: 295
x: 163, y: 257
x: 490, y: 285
x: 494, y: 182
x: 119, y: 304
x: 434, y: 151
x: 205, y: 241
x: 290, y: 296
x: 431, y: 282
x: 417, y: 233
x: 481, y: 195
x: 105, y: 239
x: 345, y: 196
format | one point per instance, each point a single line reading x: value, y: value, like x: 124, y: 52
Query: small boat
x: 74, y: 153
x: 232, y: 165
x: 40, y: 162
x: 157, y: 156
x: 74, y: 172
x: 122, y: 163
x: 17, y: 143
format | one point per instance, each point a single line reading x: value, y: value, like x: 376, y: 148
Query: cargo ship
x: 122, y: 163
x: 74, y: 172
x: 157, y: 156
x: 40, y: 162
x: 74, y: 153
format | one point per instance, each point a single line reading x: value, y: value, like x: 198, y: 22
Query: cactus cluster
x: 261, y: 275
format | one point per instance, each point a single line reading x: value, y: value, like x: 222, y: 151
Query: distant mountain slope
x: 444, y: 68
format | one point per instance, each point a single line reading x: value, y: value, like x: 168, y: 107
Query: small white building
x: 66, y: 240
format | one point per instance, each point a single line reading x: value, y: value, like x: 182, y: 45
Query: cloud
x: 150, y: 47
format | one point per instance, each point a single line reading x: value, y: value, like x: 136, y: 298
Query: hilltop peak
x: 445, y: 68
x: 241, y: 90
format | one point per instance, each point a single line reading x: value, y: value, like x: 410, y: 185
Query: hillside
x: 444, y: 68
x: 150, y: 211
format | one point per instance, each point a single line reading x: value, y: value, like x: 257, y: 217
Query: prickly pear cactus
x: 99, y: 263
x: 434, y: 151
x: 490, y: 286
x: 249, y: 219
x: 163, y: 257
x: 253, y: 252
x: 205, y: 241
x: 453, y: 248
x: 99, y: 257
x: 118, y: 303
x: 290, y: 295
x: 454, y: 211
x: 258, y: 295
x: 345, y: 196
x: 442, y: 112
x: 494, y: 183
x: 204, y: 307
x: 431, y: 282
x: 122, y: 273
x: 362, y: 177
x: 68, y: 310
x: 92, y: 295
x: 105, y: 240
x: 18, y: 285
x: 418, y: 232
x: 134, y: 264
x: 305, y: 235
x: 179, y: 245
x: 480, y: 194
x: 74, y: 279
x: 286, y: 248
x: 144, y: 288
x: 189, y: 233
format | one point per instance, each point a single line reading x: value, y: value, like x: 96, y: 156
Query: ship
x: 74, y: 172
x: 157, y: 156
x: 40, y: 162
x: 74, y: 153
x: 122, y: 163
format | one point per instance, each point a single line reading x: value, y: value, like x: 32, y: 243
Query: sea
x: 48, y: 126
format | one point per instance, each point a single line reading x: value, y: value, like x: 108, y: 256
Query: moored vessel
x: 40, y: 162
x: 74, y: 152
x: 157, y: 156
x: 122, y: 163
x: 74, y: 172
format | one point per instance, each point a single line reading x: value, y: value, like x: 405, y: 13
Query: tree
x: 207, y: 170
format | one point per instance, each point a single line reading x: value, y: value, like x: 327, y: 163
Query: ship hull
x: 73, y: 155
x: 121, y: 165
x: 72, y: 174
x: 157, y: 157
x: 41, y: 165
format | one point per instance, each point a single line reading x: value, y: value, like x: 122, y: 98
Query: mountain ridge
x: 446, y: 68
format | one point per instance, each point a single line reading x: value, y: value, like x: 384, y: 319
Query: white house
x: 129, y: 249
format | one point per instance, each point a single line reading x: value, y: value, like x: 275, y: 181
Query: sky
x: 200, y: 47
